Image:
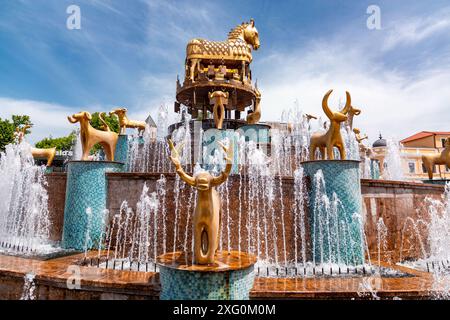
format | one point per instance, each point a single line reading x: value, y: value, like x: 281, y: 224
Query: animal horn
x: 225, y: 173
x: 72, y: 119
x: 325, y: 107
x: 176, y: 161
x: 348, y: 103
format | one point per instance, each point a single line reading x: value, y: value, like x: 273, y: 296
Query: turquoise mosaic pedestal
x: 86, y: 188
x: 121, y: 154
x: 441, y: 182
x: 230, y: 278
x: 336, y: 231
x: 375, y: 169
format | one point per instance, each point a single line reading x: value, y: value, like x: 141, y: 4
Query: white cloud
x: 393, y: 103
x: 48, y: 119
x: 415, y: 30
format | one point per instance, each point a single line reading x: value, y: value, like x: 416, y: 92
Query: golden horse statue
x: 48, y: 153
x: 332, y: 138
x: 237, y: 49
x: 442, y: 158
x: 125, y: 123
x: 91, y: 136
x: 206, y: 219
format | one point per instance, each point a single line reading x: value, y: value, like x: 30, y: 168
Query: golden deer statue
x: 236, y: 49
x: 332, y: 138
x: 48, y: 153
x: 206, y: 219
x: 442, y: 158
x: 91, y: 136
x: 125, y: 123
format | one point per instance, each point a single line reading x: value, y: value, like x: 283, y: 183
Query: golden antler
x: 229, y: 158
x: 325, y: 107
x: 348, y: 103
x: 175, y: 157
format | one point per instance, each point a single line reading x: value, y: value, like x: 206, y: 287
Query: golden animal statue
x: 206, y: 219
x: 219, y: 99
x: 237, y: 49
x: 125, y: 123
x: 91, y: 136
x: 352, y: 111
x: 48, y: 153
x: 255, y: 115
x: 332, y: 138
x: 358, y: 135
x: 442, y: 158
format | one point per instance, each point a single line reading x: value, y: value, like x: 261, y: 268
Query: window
x: 412, y: 167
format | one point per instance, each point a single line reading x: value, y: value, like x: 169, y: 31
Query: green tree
x: 61, y: 144
x: 7, y: 129
x: 6, y: 133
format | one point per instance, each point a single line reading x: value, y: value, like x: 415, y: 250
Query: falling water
x: 393, y: 163
x: 24, y: 215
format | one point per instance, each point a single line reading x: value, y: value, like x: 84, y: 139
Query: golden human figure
x: 218, y: 99
x: 91, y: 136
x: 442, y: 158
x: 125, y: 123
x: 358, y: 135
x: 332, y: 138
x: 48, y: 153
x: 206, y: 219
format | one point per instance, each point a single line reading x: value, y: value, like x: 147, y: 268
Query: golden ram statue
x: 125, y: 123
x: 443, y: 158
x: 236, y: 49
x: 48, y: 153
x: 206, y: 219
x: 332, y: 138
x: 91, y: 136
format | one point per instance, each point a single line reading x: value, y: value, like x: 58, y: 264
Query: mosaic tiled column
x: 336, y: 231
x: 86, y: 188
x: 231, y: 278
x: 121, y: 154
x: 375, y: 169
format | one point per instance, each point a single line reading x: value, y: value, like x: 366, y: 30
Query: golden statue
x: 332, y: 138
x: 91, y: 136
x: 48, y: 153
x: 236, y: 49
x: 442, y: 158
x: 219, y: 99
x: 255, y: 115
x: 358, y: 135
x: 206, y: 219
x: 125, y: 123
x: 352, y: 111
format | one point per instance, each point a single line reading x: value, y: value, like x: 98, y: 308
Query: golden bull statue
x: 332, y: 138
x: 48, y: 153
x: 206, y: 219
x: 91, y: 136
x: 442, y: 158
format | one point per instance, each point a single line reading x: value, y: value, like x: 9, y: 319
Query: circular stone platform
x: 231, y: 277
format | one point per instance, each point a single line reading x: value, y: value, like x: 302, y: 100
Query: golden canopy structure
x: 221, y: 66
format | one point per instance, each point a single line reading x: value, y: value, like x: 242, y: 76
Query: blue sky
x: 128, y: 53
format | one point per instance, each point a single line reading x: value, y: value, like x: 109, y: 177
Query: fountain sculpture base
x: 231, y: 277
x: 86, y: 188
x: 336, y: 226
x: 436, y: 181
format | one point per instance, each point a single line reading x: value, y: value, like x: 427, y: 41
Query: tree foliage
x: 62, y: 144
x: 7, y: 128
